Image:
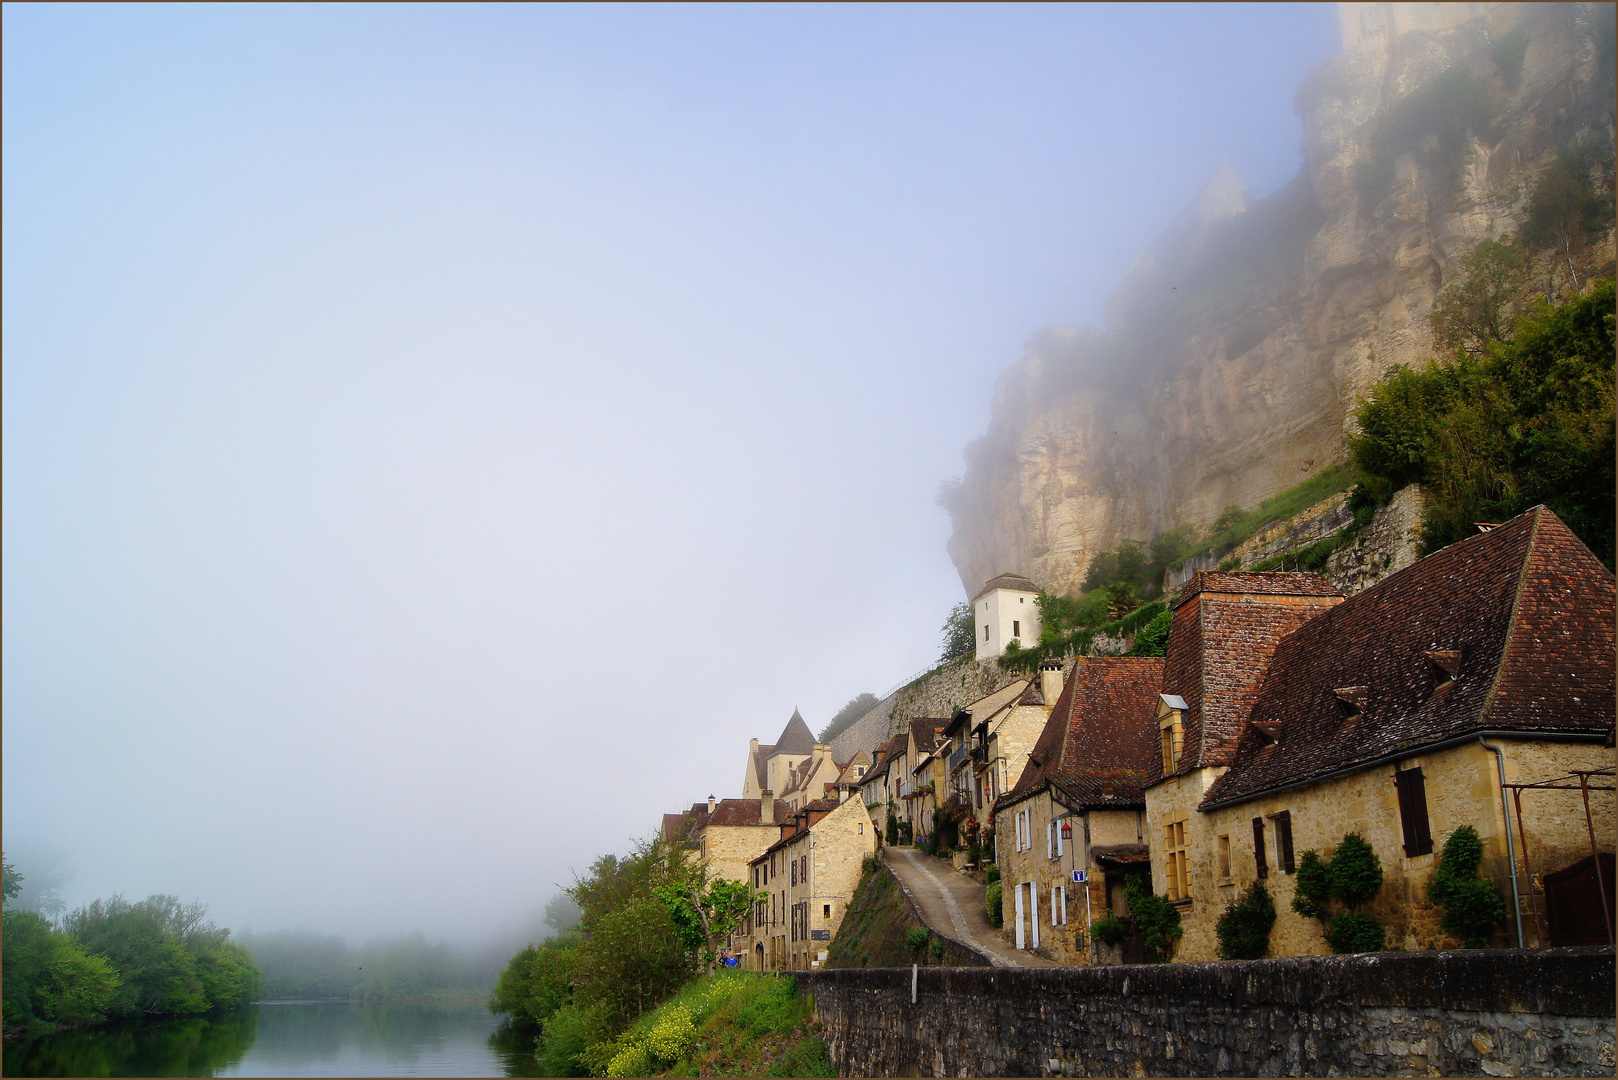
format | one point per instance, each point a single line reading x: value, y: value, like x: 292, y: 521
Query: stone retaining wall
x: 1539, y: 1012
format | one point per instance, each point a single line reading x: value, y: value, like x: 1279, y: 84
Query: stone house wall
x: 1013, y: 740
x: 832, y: 853
x: 1462, y: 788
x: 729, y: 848
x: 1532, y: 1012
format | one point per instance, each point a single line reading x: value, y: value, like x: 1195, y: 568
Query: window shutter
x: 1283, y: 840
x: 1057, y: 829
x: 1050, y: 842
x: 1258, y: 848
x: 1412, y: 788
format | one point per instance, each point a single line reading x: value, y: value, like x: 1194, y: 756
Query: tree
x: 960, y: 632
x: 705, y: 911
x: 1244, y: 926
x: 1351, y: 878
x: 10, y: 881
x: 1565, y: 207
x: 1473, y: 910
x: 1477, y: 308
x: 561, y: 913
x: 857, y: 707
x: 49, y: 978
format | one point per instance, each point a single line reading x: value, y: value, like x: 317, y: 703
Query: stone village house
x: 808, y: 876
x: 1078, y: 810
x: 1399, y: 714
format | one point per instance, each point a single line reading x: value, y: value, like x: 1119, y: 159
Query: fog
x: 436, y: 439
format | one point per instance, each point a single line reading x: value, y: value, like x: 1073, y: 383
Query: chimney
x: 766, y: 808
x: 710, y: 805
x: 1050, y: 681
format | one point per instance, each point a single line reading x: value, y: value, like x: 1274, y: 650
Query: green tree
x: 536, y: 983
x: 49, y: 978
x: 960, y: 632
x: 1350, y: 878
x: 561, y: 913
x: 705, y: 911
x: 1473, y: 910
x: 1244, y: 926
x: 861, y: 704
x: 1154, y: 917
x: 1153, y: 638
x: 1478, y: 307
x: 1566, y: 207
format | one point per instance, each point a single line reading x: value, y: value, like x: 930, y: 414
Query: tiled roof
x: 1521, y: 615
x: 1007, y: 581
x: 674, y: 826
x: 804, y: 819
x: 796, y: 738
x: 1100, y: 744
x: 1224, y: 630
x: 744, y: 812
x: 760, y: 765
x: 926, y: 729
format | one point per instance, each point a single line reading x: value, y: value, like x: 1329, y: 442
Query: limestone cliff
x: 1237, y: 346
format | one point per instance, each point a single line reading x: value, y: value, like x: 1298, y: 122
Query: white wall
x: 1007, y: 613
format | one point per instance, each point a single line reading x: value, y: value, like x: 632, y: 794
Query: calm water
x: 289, y: 1039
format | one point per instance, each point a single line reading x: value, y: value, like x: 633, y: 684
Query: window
x: 1224, y: 858
x: 985, y: 631
x: 1412, y: 789
x: 1258, y: 848
x: 825, y: 910
x: 1020, y: 599
x: 1050, y: 840
x: 859, y: 827
x: 794, y: 871
x: 1016, y: 628
x: 1175, y: 863
x: 1059, y: 906
x: 1283, y: 840
x: 1172, y: 735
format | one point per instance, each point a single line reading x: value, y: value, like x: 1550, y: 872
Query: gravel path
x: 951, y: 904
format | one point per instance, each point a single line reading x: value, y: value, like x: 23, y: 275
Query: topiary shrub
x: 1244, y: 928
x: 1109, y: 929
x: 916, y: 938
x: 1473, y: 910
x: 1351, y: 877
x: 992, y: 900
x: 1355, y: 931
x: 1157, y: 920
x: 992, y: 874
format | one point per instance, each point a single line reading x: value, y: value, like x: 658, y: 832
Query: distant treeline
x: 116, y: 958
x: 304, y: 964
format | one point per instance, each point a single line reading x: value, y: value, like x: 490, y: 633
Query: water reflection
x: 290, y: 1039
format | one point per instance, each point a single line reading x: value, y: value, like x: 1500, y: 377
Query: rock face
x: 1237, y: 347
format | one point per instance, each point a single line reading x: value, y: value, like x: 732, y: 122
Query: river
x: 292, y: 1038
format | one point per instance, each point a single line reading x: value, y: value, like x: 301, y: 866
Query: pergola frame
x: 1584, y: 787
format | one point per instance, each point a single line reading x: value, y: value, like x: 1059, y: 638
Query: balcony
x: 957, y: 759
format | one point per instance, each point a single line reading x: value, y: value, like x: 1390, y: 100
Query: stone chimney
x: 766, y: 807
x: 1050, y: 681
x: 711, y: 801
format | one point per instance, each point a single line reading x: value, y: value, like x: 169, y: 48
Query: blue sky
x: 442, y: 436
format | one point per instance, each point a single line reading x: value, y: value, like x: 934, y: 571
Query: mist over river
x: 301, y: 1038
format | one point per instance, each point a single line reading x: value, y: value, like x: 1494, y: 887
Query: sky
x: 436, y: 439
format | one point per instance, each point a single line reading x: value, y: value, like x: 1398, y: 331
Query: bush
x: 1109, y: 929
x: 993, y: 899
x: 1312, y: 893
x: 992, y: 874
x: 1153, y: 640
x: 1473, y: 910
x: 1355, y: 931
x: 936, y: 948
x: 906, y: 833
x: 1244, y: 928
x: 916, y: 938
x: 891, y: 832
x: 1157, y: 920
x: 1356, y: 872
x: 49, y: 978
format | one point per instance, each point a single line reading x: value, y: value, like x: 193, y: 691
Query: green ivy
x: 1157, y: 920
x: 1351, y: 877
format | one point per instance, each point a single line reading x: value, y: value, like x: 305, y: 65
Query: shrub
x: 1157, y: 920
x: 1153, y: 639
x: 916, y: 938
x: 630, y: 1061
x: 1473, y: 910
x: 1355, y: 931
x: 936, y: 948
x: 906, y: 833
x: 993, y: 899
x: 891, y: 832
x: 1356, y: 872
x: 992, y: 874
x: 1109, y: 929
x: 1244, y: 928
x: 1313, y: 890
x: 672, y: 1035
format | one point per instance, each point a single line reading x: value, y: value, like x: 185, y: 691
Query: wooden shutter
x: 1412, y: 789
x: 1283, y: 840
x: 1258, y: 848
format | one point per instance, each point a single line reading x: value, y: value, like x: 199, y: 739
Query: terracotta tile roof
x: 1007, y: 581
x: 744, y: 812
x: 798, y: 824
x: 674, y: 826
x: 885, y: 755
x: 926, y: 729
x: 1100, y: 744
x: 1224, y: 630
x: 1520, y: 617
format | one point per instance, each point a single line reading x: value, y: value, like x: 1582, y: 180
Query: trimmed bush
x: 1473, y: 910
x: 1244, y: 928
x: 992, y: 900
x: 1354, y: 932
x: 1109, y: 929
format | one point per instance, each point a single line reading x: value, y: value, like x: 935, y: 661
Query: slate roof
x: 1224, y: 630
x: 744, y: 812
x: 926, y: 729
x: 1523, y: 617
x: 885, y: 755
x: 1007, y: 581
x: 761, y: 769
x: 796, y: 738
x: 1100, y: 744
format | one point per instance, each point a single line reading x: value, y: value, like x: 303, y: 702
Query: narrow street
x: 952, y: 904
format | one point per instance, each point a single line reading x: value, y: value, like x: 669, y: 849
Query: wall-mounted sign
x: 1081, y: 876
x: 820, y: 935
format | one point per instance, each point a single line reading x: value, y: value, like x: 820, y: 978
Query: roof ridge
x: 1512, y: 620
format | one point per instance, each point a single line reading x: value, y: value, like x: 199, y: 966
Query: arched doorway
x: 758, y: 956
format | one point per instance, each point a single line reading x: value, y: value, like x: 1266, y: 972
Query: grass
x: 733, y: 1023
x: 1236, y: 526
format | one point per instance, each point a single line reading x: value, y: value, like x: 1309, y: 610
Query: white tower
x: 1005, y: 608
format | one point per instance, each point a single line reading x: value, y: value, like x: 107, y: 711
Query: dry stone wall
x: 1540, y: 1012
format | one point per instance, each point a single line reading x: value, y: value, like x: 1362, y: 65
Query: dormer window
x: 1443, y: 665
x: 1351, y: 702
x: 1268, y: 734
x: 1171, y: 729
